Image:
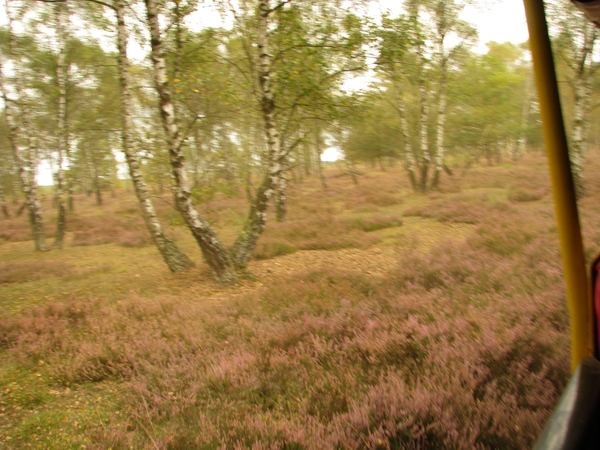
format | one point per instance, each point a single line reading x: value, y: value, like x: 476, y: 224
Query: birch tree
x: 255, y: 223
x: 312, y: 46
x: 175, y: 259
x: 575, y: 41
x: 61, y: 16
x: 214, y: 252
x: 404, y: 63
x: 445, y: 15
x: 21, y: 136
x: 223, y: 263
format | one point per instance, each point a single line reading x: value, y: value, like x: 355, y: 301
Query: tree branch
x: 186, y: 133
x: 279, y: 6
x: 99, y: 2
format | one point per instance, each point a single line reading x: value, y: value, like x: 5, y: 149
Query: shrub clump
x: 372, y: 195
x: 375, y: 222
x: 321, y: 232
x: 267, y: 249
x: 469, y: 211
x: 506, y: 231
x: 15, y: 230
x: 34, y: 270
x: 524, y: 194
x: 18, y: 229
x: 97, y: 230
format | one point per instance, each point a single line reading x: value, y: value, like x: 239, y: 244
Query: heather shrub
x: 457, y: 270
x: 506, y: 232
x: 266, y: 249
x: 34, y: 270
x: 367, y: 208
x: 464, y: 346
x: 450, y: 185
x: 128, y: 210
x: 15, y: 230
x: 470, y: 210
x: 320, y: 360
x: 372, y: 196
x: 521, y: 194
x: 382, y: 199
x: 375, y: 222
x: 528, y: 189
x: 314, y: 206
x: 137, y: 237
x: 129, y: 232
x: 321, y: 232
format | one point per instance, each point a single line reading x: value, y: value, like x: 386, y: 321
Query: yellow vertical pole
x: 555, y: 140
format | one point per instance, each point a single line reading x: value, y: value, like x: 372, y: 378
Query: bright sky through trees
x: 499, y: 21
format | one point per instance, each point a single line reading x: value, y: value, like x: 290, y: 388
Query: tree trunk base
x: 60, y: 227
x: 176, y: 260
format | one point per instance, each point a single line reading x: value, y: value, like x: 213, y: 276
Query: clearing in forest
x: 378, y: 318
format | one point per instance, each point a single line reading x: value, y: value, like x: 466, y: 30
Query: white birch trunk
x: 214, y: 252
x: 319, y: 161
x: 257, y: 218
x: 409, y: 160
x: 581, y: 109
x: 28, y: 169
x: 425, y: 157
x: 441, y: 116
x: 281, y: 199
x: 175, y: 259
x: 61, y: 13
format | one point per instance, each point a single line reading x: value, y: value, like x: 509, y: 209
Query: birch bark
x: 27, y: 169
x: 319, y: 161
x: 409, y: 160
x: 63, y: 137
x: 441, y: 114
x: 214, y: 252
x: 175, y: 259
x: 280, y: 198
x: 257, y: 218
x: 425, y: 156
x: 581, y: 109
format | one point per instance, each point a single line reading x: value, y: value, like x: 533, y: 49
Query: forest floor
x: 378, y: 318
